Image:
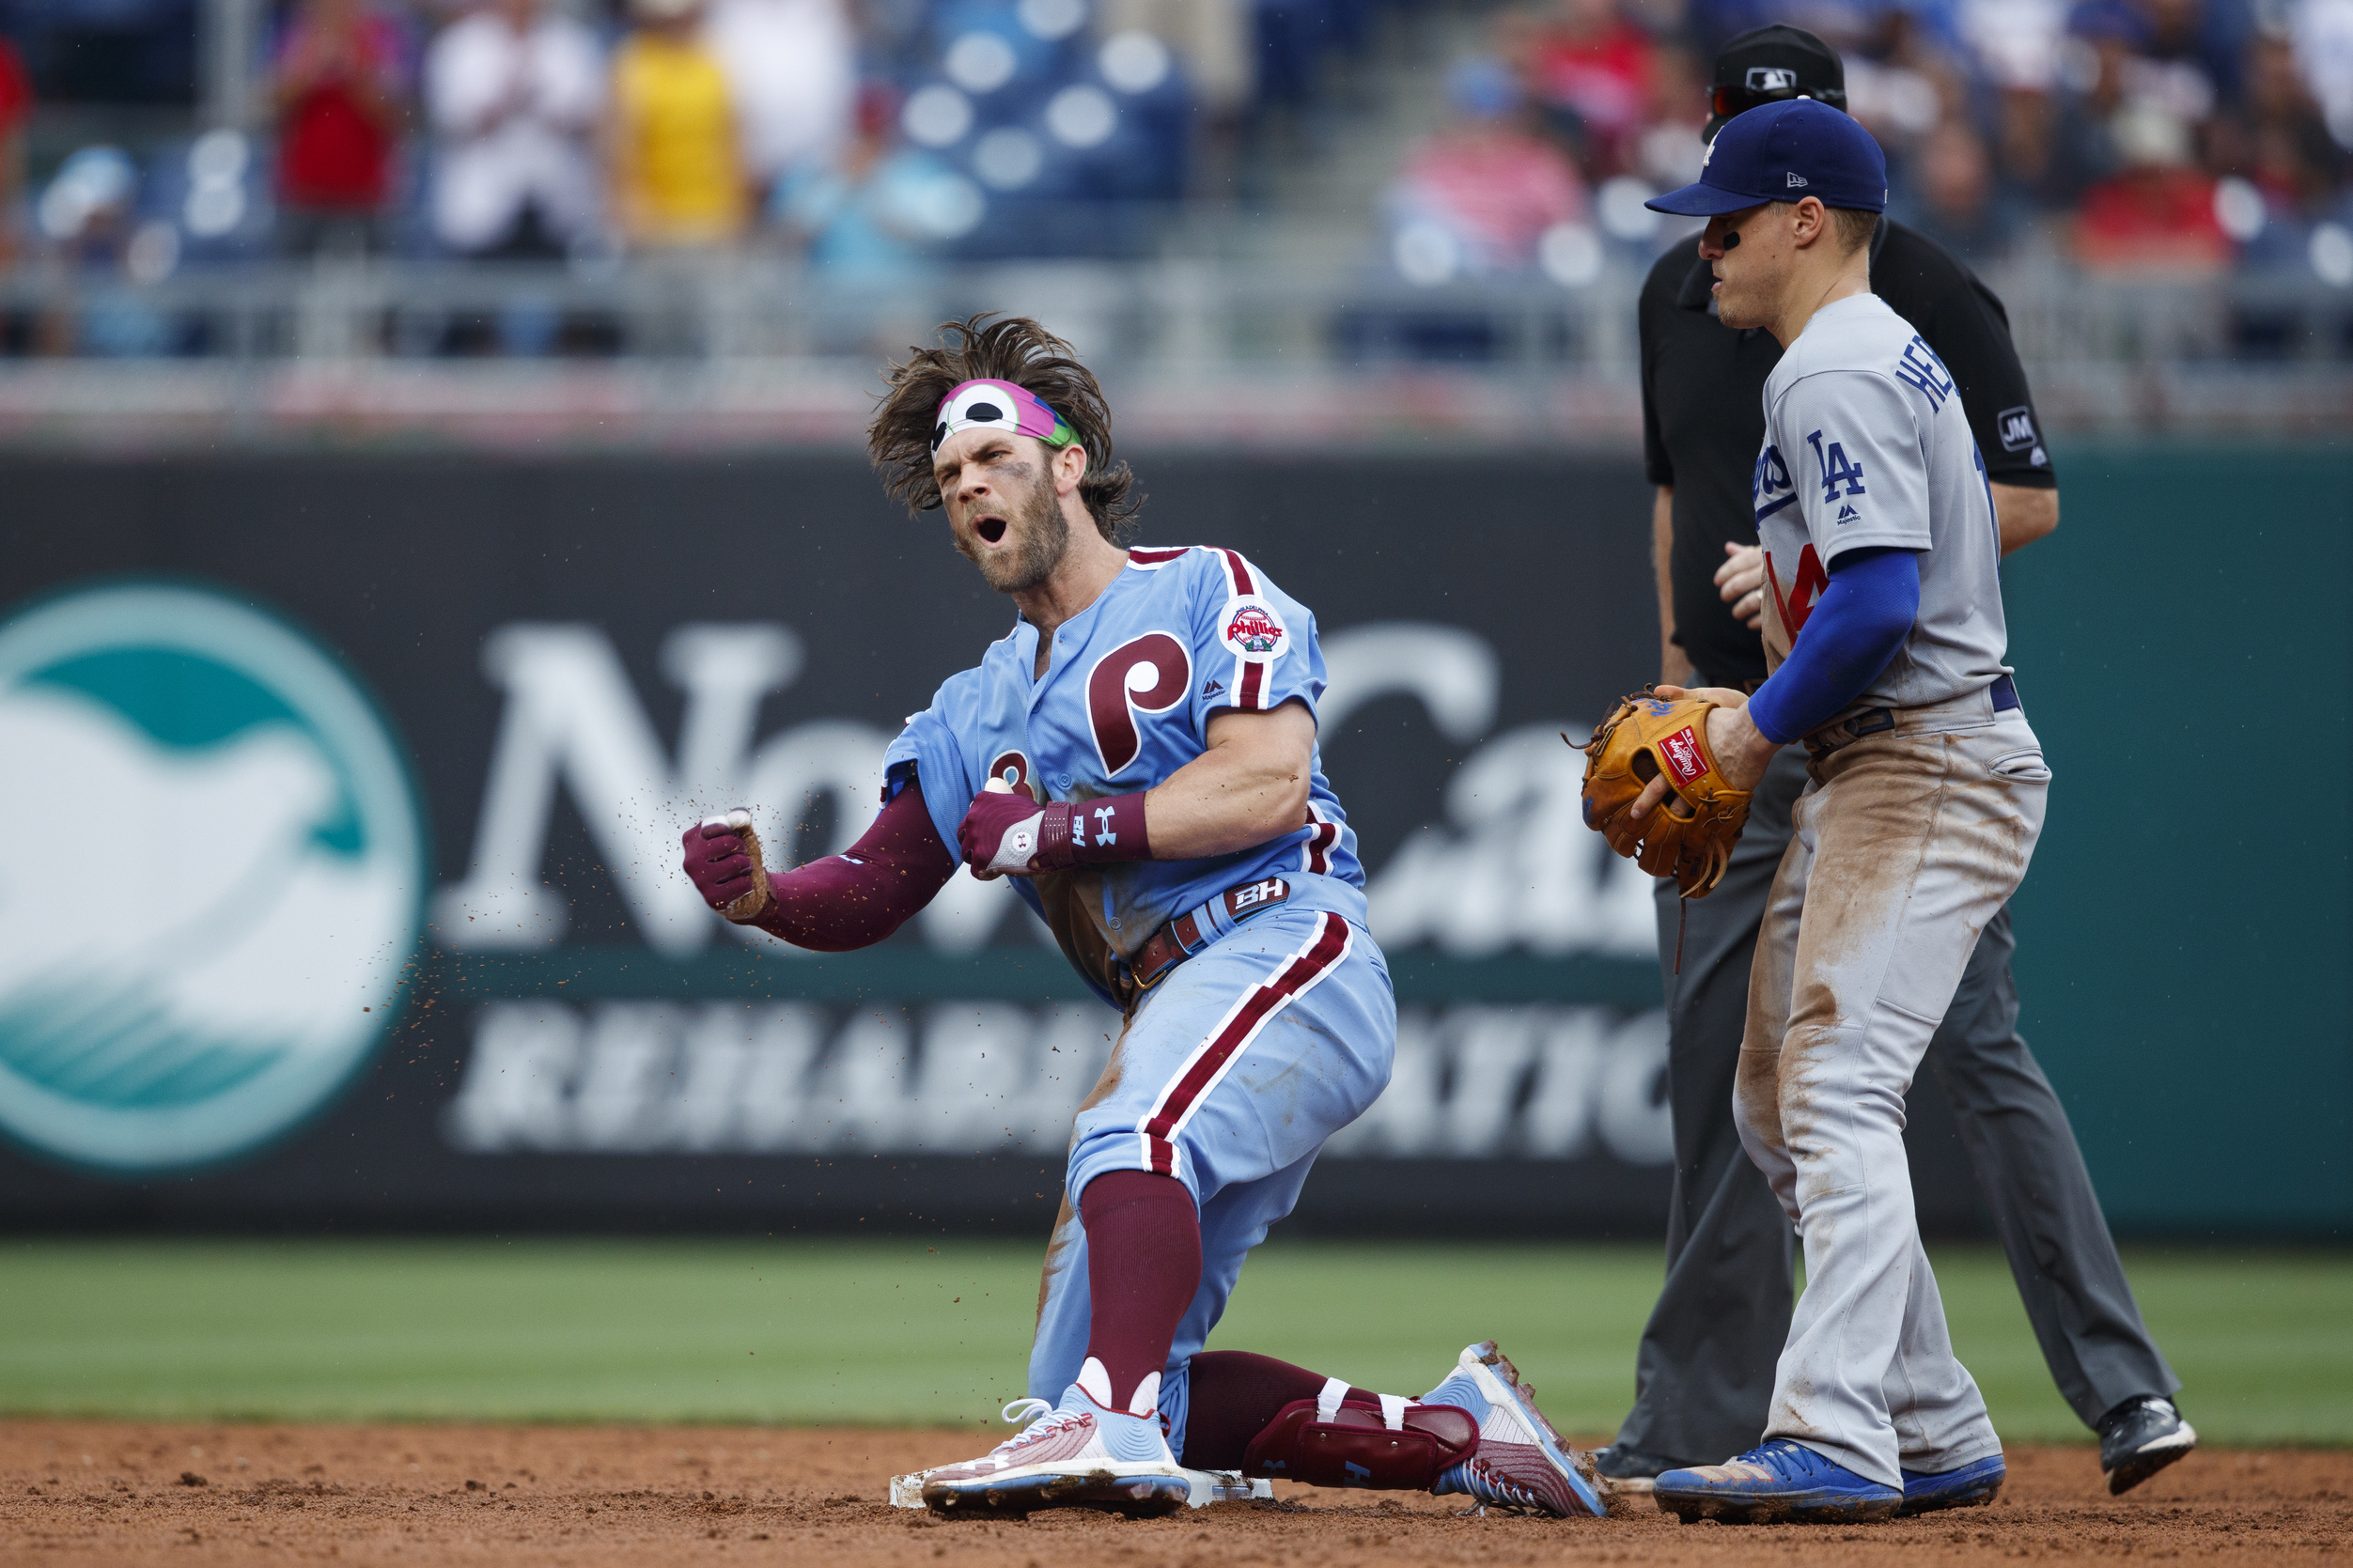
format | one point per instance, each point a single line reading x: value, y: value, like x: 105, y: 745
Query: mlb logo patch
x: 2016, y: 426
x: 1680, y: 753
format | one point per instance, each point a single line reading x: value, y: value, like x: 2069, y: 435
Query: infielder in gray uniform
x: 1704, y: 1367
x: 1924, y: 801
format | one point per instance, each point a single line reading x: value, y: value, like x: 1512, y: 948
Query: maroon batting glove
x: 716, y: 862
x: 1009, y: 835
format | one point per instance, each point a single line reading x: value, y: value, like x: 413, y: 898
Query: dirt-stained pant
x: 1905, y: 845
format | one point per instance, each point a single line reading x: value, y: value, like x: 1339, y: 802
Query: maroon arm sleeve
x: 856, y: 898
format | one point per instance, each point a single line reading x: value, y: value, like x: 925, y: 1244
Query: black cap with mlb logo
x: 1769, y: 65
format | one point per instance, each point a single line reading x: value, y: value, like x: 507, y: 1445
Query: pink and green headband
x: 998, y: 406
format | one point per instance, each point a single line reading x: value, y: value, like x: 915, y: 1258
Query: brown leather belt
x: 1195, y: 929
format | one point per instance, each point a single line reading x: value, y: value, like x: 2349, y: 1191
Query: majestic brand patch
x: 1252, y: 629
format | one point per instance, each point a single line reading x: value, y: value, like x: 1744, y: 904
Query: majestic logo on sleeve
x: 1252, y: 629
x: 234, y: 957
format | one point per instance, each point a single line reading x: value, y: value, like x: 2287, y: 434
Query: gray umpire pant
x: 1703, y: 1376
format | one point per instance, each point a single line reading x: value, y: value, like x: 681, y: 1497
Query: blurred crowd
x: 867, y: 135
x: 2179, y: 137
x: 2154, y: 137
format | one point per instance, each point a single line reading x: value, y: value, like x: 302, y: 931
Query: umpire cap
x: 1769, y: 64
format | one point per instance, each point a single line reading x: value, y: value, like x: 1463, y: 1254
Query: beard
x: 1041, y: 538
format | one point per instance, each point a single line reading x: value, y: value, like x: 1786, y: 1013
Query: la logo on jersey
x: 1252, y: 629
x: 1680, y: 753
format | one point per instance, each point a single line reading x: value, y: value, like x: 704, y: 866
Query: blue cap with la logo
x: 1785, y: 152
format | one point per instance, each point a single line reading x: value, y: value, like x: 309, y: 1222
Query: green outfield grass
x: 893, y: 1332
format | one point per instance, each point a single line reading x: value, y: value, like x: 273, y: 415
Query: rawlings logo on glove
x: 1689, y: 834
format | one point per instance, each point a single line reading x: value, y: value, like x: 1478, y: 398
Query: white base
x: 1209, y: 1486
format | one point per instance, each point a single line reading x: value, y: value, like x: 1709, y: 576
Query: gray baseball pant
x: 1704, y: 1373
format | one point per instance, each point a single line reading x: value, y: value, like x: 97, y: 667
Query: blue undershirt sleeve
x: 1855, y: 628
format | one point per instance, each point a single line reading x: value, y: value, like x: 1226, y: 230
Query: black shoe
x: 2139, y: 1437
x: 1629, y: 1469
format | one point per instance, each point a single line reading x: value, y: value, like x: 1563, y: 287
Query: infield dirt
x: 107, y: 1493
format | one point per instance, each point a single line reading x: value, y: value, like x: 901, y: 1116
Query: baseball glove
x: 1691, y: 834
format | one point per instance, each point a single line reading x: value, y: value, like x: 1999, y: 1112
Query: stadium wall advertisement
x: 340, y: 886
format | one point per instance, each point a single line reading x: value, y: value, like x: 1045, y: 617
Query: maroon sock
x: 1233, y: 1395
x: 1143, y: 1266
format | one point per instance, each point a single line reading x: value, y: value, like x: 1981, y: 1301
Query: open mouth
x: 989, y: 529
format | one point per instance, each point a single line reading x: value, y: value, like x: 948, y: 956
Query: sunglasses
x: 1765, y: 84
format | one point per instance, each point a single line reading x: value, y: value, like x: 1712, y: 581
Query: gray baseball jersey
x: 1866, y: 445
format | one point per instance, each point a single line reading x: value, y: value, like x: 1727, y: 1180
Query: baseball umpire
x: 1138, y: 753
x: 1703, y: 1376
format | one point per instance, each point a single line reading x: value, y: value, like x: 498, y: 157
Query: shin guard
x: 1401, y: 1447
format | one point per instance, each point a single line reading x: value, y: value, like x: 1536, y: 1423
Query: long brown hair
x: 1008, y: 349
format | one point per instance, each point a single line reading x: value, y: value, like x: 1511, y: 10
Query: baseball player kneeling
x: 1138, y: 753
x: 1884, y: 631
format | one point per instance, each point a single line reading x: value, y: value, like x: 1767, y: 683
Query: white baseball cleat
x: 1520, y: 1463
x: 1081, y: 1454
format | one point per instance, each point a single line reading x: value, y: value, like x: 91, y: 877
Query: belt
x: 1196, y: 928
x: 1876, y: 720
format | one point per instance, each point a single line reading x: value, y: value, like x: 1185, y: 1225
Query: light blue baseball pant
x: 1229, y: 1076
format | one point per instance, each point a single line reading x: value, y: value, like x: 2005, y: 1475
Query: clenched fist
x: 723, y: 859
x: 1006, y: 833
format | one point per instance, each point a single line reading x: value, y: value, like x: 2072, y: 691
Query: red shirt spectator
x: 2158, y: 215
x: 1588, y: 59
x: 337, y: 88
x: 16, y: 113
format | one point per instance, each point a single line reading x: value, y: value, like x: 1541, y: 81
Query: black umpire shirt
x: 1704, y: 414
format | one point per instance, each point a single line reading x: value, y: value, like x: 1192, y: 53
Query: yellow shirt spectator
x: 678, y: 177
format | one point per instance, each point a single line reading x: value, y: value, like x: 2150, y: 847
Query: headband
x: 998, y: 406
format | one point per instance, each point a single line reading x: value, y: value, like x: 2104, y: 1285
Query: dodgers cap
x: 1785, y: 152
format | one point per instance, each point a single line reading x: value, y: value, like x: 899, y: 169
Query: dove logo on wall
x: 210, y: 884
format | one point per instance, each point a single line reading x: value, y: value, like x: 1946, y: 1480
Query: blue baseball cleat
x: 1520, y: 1463
x: 1971, y: 1487
x: 1778, y: 1481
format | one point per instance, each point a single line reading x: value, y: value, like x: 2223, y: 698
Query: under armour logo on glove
x: 1005, y: 834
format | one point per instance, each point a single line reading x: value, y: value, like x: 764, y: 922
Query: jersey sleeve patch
x: 1253, y: 630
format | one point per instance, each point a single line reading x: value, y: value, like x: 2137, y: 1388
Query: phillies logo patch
x: 1680, y: 753
x: 1253, y: 630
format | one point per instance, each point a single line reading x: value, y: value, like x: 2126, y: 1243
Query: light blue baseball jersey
x: 1126, y: 701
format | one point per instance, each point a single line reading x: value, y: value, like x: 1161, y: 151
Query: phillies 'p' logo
x: 1146, y: 675
x: 1014, y: 769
